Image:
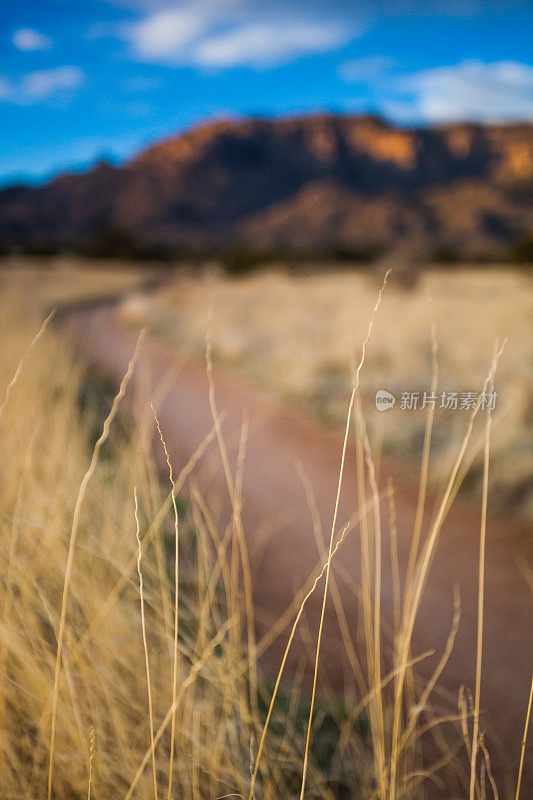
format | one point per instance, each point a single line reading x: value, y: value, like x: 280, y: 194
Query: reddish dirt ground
x: 282, y: 559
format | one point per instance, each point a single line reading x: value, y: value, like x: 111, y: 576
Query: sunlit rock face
x: 322, y: 181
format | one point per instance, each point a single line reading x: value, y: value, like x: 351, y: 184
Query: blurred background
x: 249, y: 172
x: 315, y: 144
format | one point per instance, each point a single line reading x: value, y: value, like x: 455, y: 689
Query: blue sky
x: 85, y: 79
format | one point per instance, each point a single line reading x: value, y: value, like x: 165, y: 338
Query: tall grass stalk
x: 481, y: 593
x: 333, y: 527
x: 524, y: 742
x: 72, y: 543
x: 145, y: 643
x: 235, y: 499
x: 20, y: 365
x: 176, y: 602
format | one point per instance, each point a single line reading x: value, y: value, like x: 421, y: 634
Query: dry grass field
x: 129, y: 673
x: 298, y: 337
x: 114, y: 642
x: 56, y: 281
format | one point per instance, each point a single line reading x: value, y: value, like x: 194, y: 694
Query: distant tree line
x: 238, y: 259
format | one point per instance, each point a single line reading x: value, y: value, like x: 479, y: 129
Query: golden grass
x: 295, y: 334
x: 176, y: 601
x: 58, y: 280
x: 48, y: 444
x: 70, y: 555
x: 481, y: 591
x: 91, y: 694
x: 377, y: 630
x: 524, y: 742
x: 102, y: 682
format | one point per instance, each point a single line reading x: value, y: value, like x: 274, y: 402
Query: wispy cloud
x: 266, y: 44
x: 471, y: 90
x: 30, y: 40
x: 42, y: 85
x: 232, y: 34
x: 168, y: 35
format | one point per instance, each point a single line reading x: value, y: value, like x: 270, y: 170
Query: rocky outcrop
x: 304, y: 183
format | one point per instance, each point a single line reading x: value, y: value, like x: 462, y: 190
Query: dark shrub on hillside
x: 522, y: 251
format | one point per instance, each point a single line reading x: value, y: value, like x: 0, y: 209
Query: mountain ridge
x: 307, y: 183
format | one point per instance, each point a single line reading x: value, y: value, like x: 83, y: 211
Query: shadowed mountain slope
x: 304, y: 184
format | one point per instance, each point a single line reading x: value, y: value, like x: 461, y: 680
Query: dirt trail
x: 281, y: 561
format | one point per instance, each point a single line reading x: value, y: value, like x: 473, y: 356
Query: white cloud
x: 31, y: 40
x: 35, y: 87
x: 45, y: 83
x: 223, y: 35
x: 166, y: 35
x: 472, y: 90
x: 267, y: 44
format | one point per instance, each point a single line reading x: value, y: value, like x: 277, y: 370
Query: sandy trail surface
x: 283, y: 551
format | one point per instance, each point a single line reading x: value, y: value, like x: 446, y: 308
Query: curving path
x: 283, y: 551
